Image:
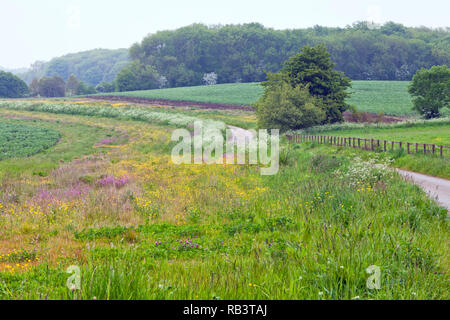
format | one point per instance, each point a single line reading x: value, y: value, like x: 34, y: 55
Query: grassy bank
x: 140, y: 227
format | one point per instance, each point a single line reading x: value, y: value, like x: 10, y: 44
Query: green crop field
x: 389, y: 97
x: 232, y: 94
x: 18, y: 140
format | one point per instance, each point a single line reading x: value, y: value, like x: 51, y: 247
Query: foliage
x: 106, y: 87
x: 242, y: 53
x: 18, y: 140
x: 285, y: 107
x: 84, y: 90
x: 431, y: 91
x: 136, y: 76
x: 52, y: 87
x: 313, y: 67
x: 34, y: 87
x: 72, y: 85
x: 11, y: 86
x: 210, y: 78
x: 91, y: 67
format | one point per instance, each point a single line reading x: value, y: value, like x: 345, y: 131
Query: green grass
x: 309, y: 232
x: 308, y: 237
x: 428, y: 132
x: 18, y: 140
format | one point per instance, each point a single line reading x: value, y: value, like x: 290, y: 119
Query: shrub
x: 285, y: 107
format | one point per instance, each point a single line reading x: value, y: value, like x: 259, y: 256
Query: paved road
x: 436, y: 188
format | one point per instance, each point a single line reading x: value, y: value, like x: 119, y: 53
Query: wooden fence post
x: 424, y: 148
x: 407, y: 147
x: 434, y: 148
x: 441, y: 151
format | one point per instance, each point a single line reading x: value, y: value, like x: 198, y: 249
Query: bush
x: 285, y: 107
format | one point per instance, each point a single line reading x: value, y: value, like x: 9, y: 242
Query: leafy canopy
x: 306, y: 92
x: 313, y: 67
x: 11, y: 86
x: 431, y: 91
x: 286, y: 107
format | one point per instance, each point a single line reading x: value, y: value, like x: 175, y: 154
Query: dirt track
x: 437, y: 188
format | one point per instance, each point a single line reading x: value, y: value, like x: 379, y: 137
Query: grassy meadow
x: 108, y: 199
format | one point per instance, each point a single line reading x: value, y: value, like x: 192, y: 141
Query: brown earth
x: 175, y: 103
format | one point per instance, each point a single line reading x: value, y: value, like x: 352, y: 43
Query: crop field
x: 108, y: 199
x: 228, y: 94
x: 388, y: 97
x: 21, y: 141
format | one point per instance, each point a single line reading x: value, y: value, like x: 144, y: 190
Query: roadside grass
x: 219, y: 231
x: 429, y: 132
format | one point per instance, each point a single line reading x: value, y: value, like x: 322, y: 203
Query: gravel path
x: 437, y: 188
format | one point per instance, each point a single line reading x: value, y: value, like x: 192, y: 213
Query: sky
x: 33, y: 30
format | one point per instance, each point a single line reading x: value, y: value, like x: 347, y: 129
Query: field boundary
x: 175, y: 103
x: 373, y: 144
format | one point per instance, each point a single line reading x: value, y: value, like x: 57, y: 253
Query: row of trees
x: 56, y: 87
x: 242, y: 53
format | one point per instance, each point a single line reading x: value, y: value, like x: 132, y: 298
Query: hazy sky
x: 33, y: 30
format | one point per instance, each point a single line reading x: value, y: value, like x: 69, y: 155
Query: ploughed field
x: 108, y: 199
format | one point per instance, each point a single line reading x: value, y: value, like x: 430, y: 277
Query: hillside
x: 92, y: 67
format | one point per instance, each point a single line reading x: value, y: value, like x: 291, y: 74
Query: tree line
x: 243, y: 53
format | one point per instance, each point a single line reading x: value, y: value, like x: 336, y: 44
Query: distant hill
x: 14, y: 71
x: 92, y: 67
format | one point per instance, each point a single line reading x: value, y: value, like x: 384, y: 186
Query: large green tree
x: 137, y: 77
x: 12, y: 86
x: 431, y: 91
x: 313, y: 67
x: 52, y: 87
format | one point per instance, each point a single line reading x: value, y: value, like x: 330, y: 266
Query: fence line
x: 371, y: 144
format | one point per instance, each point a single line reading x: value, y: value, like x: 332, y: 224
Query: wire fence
x: 374, y: 144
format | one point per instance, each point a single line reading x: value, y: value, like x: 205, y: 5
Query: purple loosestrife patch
x: 113, y: 181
